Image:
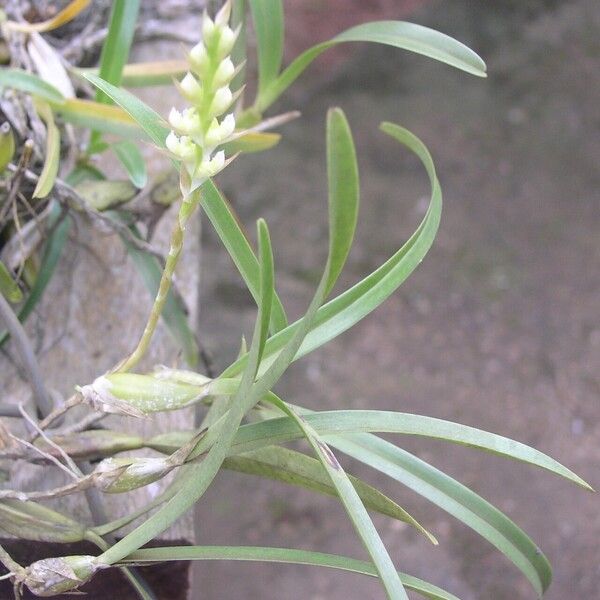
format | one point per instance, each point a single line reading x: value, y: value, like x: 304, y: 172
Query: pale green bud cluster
x: 200, y: 129
x: 117, y: 475
x: 53, y: 576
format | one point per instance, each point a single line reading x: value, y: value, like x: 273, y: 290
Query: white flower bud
x: 176, y: 119
x: 191, y: 89
x: 172, y: 142
x: 217, y: 133
x: 227, y: 126
x: 222, y: 17
x: 117, y: 475
x: 221, y: 101
x: 208, y: 29
x: 224, y: 73
x: 53, y: 576
x: 226, y: 41
x: 182, y: 147
x: 187, y: 122
x: 210, y: 167
x: 199, y: 59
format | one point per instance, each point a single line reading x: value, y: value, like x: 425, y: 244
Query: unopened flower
x: 138, y: 395
x: 117, y: 475
x: 199, y: 129
x: 53, y: 576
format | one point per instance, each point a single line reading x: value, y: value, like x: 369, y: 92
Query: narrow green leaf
x: 348, y: 308
x: 26, y: 82
x: 150, y: 121
x: 407, y: 36
x: 239, y: 51
x: 174, y: 313
x: 267, y: 16
x: 8, y: 286
x: 228, y: 229
x: 160, y: 72
x: 50, y: 169
x: 115, y: 50
x: 100, y: 117
x: 133, y: 161
x: 295, y: 468
x: 336, y: 422
x: 353, y: 505
x: 342, y: 175
x: 252, y: 141
x: 454, y: 498
x: 279, y: 555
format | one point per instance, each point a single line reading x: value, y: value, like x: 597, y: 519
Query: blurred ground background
x: 497, y: 329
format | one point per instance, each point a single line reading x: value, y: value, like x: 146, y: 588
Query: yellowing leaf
x: 48, y: 175
x: 64, y: 16
x: 252, y: 141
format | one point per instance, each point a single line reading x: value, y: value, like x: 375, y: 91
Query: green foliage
x: 247, y: 425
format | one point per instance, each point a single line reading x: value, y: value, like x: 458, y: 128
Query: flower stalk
x: 197, y: 132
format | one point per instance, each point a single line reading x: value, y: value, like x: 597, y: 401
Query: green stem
x: 177, y: 236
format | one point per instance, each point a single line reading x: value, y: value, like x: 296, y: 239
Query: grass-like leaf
x: 228, y: 229
x: 342, y: 177
x: 132, y: 160
x: 67, y: 14
x: 252, y: 141
x: 115, y: 50
x: 99, y: 117
x: 27, y: 82
x: 149, y: 120
x: 196, y: 480
x: 348, y: 308
x: 52, y: 155
x: 453, y: 497
x: 280, y: 555
x: 160, y: 72
x: 336, y: 422
x: 408, y: 36
x: 267, y: 16
x: 117, y: 44
x: 296, y: 468
x: 353, y: 505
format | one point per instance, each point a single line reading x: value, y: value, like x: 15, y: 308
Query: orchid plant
x: 246, y: 426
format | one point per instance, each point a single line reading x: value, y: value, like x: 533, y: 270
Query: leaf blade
x: 353, y: 505
x: 280, y: 555
x: 399, y: 34
x: 295, y: 468
x: 27, y: 82
x: 267, y: 16
x: 132, y: 160
x: 49, y: 172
